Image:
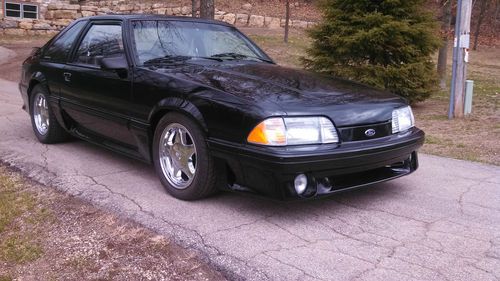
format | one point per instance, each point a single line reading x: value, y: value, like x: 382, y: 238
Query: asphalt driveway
x: 440, y: 223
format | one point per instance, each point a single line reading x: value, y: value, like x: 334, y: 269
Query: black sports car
x: 212, y: 111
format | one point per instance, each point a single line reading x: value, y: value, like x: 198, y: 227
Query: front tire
x: 181, y: 158
x: 45, y: 125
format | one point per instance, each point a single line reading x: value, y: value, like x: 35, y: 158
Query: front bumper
x: 271, y: 171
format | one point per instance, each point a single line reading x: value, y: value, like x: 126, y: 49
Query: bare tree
x: 484, y: 7
x: 443, y: 51
x: 287, y: 20
x: 194, y: 8
x: 207, y: 9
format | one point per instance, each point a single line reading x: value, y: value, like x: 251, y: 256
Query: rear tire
x: 45, y: 125
x: 181, y: 158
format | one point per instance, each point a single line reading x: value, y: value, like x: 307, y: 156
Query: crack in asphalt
x: 422, y: 230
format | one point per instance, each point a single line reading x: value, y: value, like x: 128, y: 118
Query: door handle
x: 67, y: 76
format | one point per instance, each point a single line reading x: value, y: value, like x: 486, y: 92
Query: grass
x: 17, y: 243
x: 473, y: 138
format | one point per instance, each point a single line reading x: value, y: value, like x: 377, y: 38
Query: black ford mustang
x: 211, y: 110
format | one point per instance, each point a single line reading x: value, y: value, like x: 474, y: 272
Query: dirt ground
x: 48, y: 235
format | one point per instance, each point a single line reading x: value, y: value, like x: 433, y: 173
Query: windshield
x: 159, y: 39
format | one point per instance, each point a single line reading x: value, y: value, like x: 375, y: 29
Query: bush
x: 384, y: 43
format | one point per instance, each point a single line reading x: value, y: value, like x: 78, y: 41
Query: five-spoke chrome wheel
x: 41, y: 114
x: 177, y: 155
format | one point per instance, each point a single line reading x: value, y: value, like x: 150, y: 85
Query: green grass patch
x: 5, y: 278
x: 17, y: 208
x: 19, y: 250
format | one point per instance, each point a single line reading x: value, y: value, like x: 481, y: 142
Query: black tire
x: 204, y: 181
x: 55, y: 133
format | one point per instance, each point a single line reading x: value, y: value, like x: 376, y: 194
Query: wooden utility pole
x: 460, y: 58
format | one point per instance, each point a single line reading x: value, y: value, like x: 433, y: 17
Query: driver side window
x: 100, y: 41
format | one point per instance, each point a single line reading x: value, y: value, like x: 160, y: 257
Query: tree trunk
x: 207, y: 9
x: 484, y: 6
x: 287, y: 20
x: 194, y: 8
x: 443, y: 51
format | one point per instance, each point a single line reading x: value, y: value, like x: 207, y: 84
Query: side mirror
x: 114, y: 63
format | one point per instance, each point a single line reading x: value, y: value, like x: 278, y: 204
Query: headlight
x: 280, y: 131
x: 402, y: 119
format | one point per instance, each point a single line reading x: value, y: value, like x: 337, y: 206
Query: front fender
x: 179, y: 105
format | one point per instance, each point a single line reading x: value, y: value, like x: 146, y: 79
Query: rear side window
x: 59, y: 50
x: 100, y: 41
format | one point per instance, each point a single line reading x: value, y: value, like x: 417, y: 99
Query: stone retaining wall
x: 55, y: 15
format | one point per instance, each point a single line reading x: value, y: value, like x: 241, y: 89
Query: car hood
x: 294, y: 91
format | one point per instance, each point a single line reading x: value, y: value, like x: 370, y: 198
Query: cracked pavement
x: 440, y: 223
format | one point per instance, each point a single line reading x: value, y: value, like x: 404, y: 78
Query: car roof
x: 151, y: 17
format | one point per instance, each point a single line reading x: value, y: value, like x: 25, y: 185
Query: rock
x: 300, y: 24
x: 123, y: 8
x: 169, y: 11
x: 8, y: 24
x: 89, y: 8
x: 218, y: 17
x: 26, y: 24
x: 311, y: 24
x: 104, y: 10
x: 229, y: 18
x: 271, y: 22
x: 88, y: 13
x: 42, y: 26
x: 55, y: 6
x: 176, y: 11
x: 70, y: 7
x: 247, y: 7
x: 14, y: 31
x: 157, y: 5
x: 61, y: 22
x: 65, y: 14
x: 256, y: 21
x: 185, y: 10
x: 241, y: 19
x: 160, y: 11
x: 218, y: 12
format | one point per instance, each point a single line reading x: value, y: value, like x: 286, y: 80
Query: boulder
x: 271, y: 22
x: 176, y: 11
x: 70, y: 7
x: 8, y: 24
x: 185, y: 10
x: 26, y: 24
x: 299, y: 24
x: 256, y: 21
x: 42, y: 26
x: 241, y: 19
x: 88, y: 13
x: 247, y: 7
x: 65, y: 14
x: 14, y: 31
x: 89, y: 8
x: 229, y: 18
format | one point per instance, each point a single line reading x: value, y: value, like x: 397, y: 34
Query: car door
x: 98, y: 100
x: 55, y: 56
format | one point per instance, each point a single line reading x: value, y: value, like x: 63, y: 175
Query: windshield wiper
x: 167, y: 59
x: 239, y: 56
x: 175, y: 59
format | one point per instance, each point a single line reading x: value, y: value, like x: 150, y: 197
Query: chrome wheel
x: 41, y: 114
x: 177, y: 156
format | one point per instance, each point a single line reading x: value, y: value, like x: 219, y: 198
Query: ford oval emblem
x: 370, y: 132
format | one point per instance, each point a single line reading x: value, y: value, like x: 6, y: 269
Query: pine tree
x: 384, y: 43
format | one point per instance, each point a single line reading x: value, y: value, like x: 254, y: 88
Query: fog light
x: 300, y: 183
